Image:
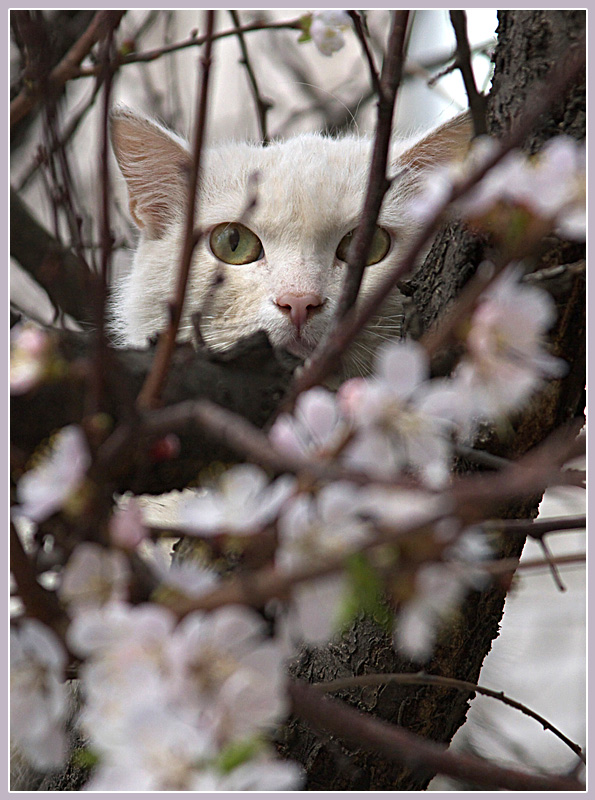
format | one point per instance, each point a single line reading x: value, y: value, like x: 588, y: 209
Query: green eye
x: 380, y: 246
x: 233, y: 243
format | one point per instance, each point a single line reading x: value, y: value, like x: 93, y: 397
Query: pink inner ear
x: 450, y: 142
x: 155, y: 166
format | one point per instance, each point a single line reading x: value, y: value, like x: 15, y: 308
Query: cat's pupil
x: 234, y: 239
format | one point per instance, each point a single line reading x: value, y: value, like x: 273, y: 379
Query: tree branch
x: 439, y: 680
x: 397, y: 744
x: 68, y: 67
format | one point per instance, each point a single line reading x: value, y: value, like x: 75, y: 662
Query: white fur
x: 309, y: 193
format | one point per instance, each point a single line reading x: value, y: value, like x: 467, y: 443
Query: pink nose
x: 300, y: 306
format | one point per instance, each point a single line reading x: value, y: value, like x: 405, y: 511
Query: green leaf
x: 238, y: 753
x: 305, y: 22
x: 365, y: 594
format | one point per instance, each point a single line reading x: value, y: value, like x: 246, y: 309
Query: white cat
x: 278, y: 265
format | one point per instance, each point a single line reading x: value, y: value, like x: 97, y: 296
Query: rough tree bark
x: 529, y: 43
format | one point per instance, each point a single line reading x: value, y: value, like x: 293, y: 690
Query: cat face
x: 276, y: 224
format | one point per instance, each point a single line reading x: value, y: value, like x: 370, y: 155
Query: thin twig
x: 151, y: 390
x: 359, y: 31
x: 192, y: 41
x: 477, y: 101
x: 95, y: 403
x: 262, y: 105
x: 378, y: 183
x: 538, y: 528
x: 452, y: 683
x: 68, y: 67
x: 415, y: 752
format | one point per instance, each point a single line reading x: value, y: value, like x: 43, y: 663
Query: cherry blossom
x: 315, y: 429
x: 264, y: 775
x: 327, y: 525
x: 223, y: 668
x: 506, y: 360
x: 395, y: 426
x: 47, y: 487
x: 244, y: 503
x: 30, y: 351
x: 326, y: 30
x: 439, y: 589
x: 157, y: 752
x: 126, y: 526
x: 38, y: 694
x: 93, y: 576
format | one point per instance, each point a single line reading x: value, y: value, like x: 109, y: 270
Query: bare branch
x: 262, y: 105
x: 423, y: 679
x: 477, y: 101
x: 398, y: 744
x: 151, y: 390
x: 69, y: 66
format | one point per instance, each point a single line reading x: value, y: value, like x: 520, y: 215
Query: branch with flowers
x: 353, y: 523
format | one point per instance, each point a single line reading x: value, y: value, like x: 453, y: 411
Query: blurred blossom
x: 506, y: 360
x: 244, y: 503
x: 224, y: 669
x: 263, y: 775
x: 550, y: 186
x: 93, y: 576
x: 38, y: 694
x: 326, y: 30
x: 156, y: 752
x: 162, y: 700
x: 46, y: 488
x: 312, y: 529
x: 186, y: 577
x: 439, y: 590
x: 315, y: 428
x: 30, y: 352
x: 126, y: 526
x: 396, y: 428
x: 314, y: 612
x: 401, y: 508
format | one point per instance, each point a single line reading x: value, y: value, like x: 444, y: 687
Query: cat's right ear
x: 156, y: 167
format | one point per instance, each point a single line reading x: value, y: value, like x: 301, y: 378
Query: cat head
x: 275, y: 227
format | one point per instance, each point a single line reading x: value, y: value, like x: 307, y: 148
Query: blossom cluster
x: 188, y: 700
x: 522, y: 194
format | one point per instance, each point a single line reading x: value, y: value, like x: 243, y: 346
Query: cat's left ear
x: 156, y: 166
x: 449, y: 142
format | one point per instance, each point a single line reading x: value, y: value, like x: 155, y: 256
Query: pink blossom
x: 30, y: 350
x: 126, y: 527
x: 47, y: 487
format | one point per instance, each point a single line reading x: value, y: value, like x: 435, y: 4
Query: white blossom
x: 395, y: 427
x: 315, y: 428
x: 244, y: 503
x: 47, y: 487
x: 224, y: 669
x: 325, y: 526
x: 326, y: 30
x: 439, y: 589
x: 183, y: 576
x: 157, y: 752
x: 506, y: 359
x: 38, y: 694
x: 549, y: 185
x: 262, y: 775
x: 30, y: 349
x: 93, y: 576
